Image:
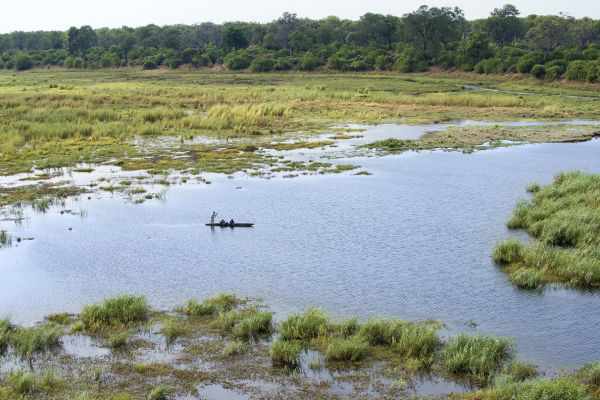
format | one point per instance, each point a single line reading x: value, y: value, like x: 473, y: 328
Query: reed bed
x: 115, y: 312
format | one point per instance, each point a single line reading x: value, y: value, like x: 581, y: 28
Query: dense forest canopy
x: 546, y: 46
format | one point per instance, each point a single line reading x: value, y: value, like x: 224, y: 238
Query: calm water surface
x: 412, y: 240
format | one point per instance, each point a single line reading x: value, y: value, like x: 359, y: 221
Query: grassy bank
x: 564, y: 220
x: 233, y: 341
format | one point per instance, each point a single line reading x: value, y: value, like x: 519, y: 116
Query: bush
x: 409, y: 61
x: 304, y: 326
x: 592, y: 70
x: 475, y: 357
x: 262, y: 64
x: 352, y: 349
x: 286, y: 352
x: 115, y: 311
x: 527, y: 62
x: 283, y: 64
x: 237, y: 60
x: 539, y: 71
x: 310, y: 62
x: 23, y: 62
x: 576, y: 71
x: 149, y: 63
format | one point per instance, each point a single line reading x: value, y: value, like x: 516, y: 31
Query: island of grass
x: 564, y: 220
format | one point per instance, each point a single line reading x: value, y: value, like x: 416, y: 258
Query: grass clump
x: 354, y: 348
x: 27, y: 342
x: 5, y: 329
x: 476, y: 358
x: 286, y: 352
x: 222, y: 303
x: 234, y: 348
x: 305, y: 326
x: 520, y: 371
x: 564, y: 219
x: 160, y: 392
x: 590, y: 373
x: 116, y: 311
x: 118, y: 340
x: 257, y: 324
x: 544, y: 389
x: 5, y: 239
x: 172, y: 328
x: 21, y: 383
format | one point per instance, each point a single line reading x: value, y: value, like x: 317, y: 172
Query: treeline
x: 546, y: 46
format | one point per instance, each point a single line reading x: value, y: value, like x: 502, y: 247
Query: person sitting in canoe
x: 231, y: 222
x: 213, y: 217
x: 222, y: 222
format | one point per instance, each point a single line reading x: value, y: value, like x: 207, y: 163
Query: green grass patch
x: 304, y: 326
x: 222, y: 303
x: 27, y: 342
x: 115, y: 312
x: 354, y: 348
x: 477, y: 358
x: 286, y: 352
x: 258, y: 324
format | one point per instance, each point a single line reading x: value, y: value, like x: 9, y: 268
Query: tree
x: 378, y: 29
x: 504, y: 25
x: 80, y: 40
x: 23, y: 62
x: 233, y: 38
x: 549, y: 33
x: 473, y: 50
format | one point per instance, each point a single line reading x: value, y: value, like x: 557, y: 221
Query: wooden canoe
x: 235, y: 225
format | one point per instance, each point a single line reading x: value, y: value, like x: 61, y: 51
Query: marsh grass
x: 172, y: 328
x: 160, y: 392
x: 118, y: 340
x: 477, y: 358
x: 590, y: 373
x: 114, y: 312
x: 520, y: 371
x: 5, y: 239
x: 304, y: 326
x: 286, y: 352
x: 5, y: 330
x: 546, y: 389
x: 222, y: 303
x: 234, y: 348
x: 354, y: 348
x: 28, y: 342
x: 564, y: 219
x: 259, y: 323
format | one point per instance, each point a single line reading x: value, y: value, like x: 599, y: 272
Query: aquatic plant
x: 172, y: 328
x: 118, y: 339
x: 590, y: 373
x: 258, y: 323
x: 213, y: 306
x: 304, y: 326
x: 160, y: 392
x: 563, y: 217
x: 520, y: 371
x: 475, y: 357
x: 234, y: 348
x: 286, y: 352
x: 5, y: 328
x: 558, y: 389
x: 22, y: 383
x: 116, y: 311
x: 354, y: 348
x: 27, y: 342
x: 5, y: 239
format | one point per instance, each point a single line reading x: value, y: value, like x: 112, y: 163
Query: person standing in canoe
x: 212, y: 217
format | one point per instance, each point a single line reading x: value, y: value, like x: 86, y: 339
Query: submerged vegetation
x: 235, y: 337
x: 564, y: 220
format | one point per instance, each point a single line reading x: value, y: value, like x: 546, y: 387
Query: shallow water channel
x: 413, y: 240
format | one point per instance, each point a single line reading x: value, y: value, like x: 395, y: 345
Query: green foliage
x: 576, y: 71
x: 559, y: 389
x: 304, y: 326
x: 539, y: 71
x: 23, y: 62
x: 354, y: 348
x: 590, y: 373
x: 172, y: 328
x: 476, y: 357
x: 27, y: 342
x: 118, y: 339
x: 234, y: 348
x: 116, y: 311
x: 160, y: 392
x: 238, y: 60
x: 222, y: 303
x: 258, y: 323
x: 520, y: 371
x: 5, y: 329
x: 285, y: 352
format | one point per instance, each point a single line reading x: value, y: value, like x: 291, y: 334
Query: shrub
x: 476, y: 357
x: 149, y: 63
x: 115, y: 311
x: 576, y: 71
x: 237, y: 60
x: 310, y: 62
x: 527, y: 62
x: 282, y: 64
x: 539, y: 71
x: 222, y: 303
x: 304, y: 326
x: 23, y: 62
x: 286, y: 352
x: 553, y: 73
x: 409, y: 61
x: 262, y: 64
x: 354, y: 348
